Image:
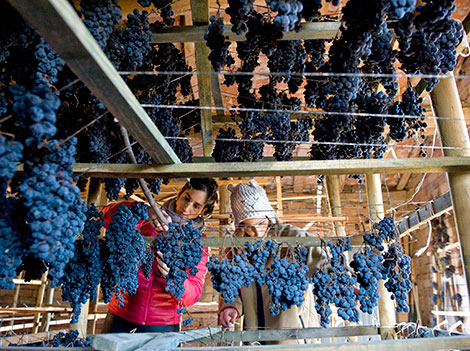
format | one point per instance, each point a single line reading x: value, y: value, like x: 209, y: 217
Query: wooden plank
x: 235, y: 241
x: 62, y: 29
x: 195, y: 33
x: 200, y: 15
x: 428, y: 344
x: 292, y: 334
x: 253, y: 169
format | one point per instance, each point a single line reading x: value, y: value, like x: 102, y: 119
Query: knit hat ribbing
x: 249, y: 201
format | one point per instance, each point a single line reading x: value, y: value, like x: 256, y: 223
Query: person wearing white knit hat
x: 251, y: 208
x: 254, y: 216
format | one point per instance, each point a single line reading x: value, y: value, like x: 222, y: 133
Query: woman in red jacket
x: 152, y: 308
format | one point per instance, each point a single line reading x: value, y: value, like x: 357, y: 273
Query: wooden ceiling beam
x: 266, y: 169
x: 195, y: 33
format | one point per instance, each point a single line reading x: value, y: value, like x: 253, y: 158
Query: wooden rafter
x: 200, y: 14
x: 195, y: 33
x: 252, y: 169
x: 63, y: 30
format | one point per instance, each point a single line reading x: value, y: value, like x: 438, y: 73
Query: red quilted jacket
x: 152, y: 305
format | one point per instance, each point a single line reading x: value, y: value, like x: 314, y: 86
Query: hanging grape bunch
x: 182, y: 251
x: 216, y: 41
x: 335, y: 285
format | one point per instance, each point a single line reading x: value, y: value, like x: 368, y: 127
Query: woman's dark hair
x: 209, y: 186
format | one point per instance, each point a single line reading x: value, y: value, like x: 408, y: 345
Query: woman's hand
x: 162, y: 267
x: 155, y: 221
x: 228, y: 317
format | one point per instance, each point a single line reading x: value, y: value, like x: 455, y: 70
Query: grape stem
x: 143, y: 185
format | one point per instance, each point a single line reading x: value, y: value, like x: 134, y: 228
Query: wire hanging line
x: 277, y: 141
x: 298, y: 74
x: 302, y: 112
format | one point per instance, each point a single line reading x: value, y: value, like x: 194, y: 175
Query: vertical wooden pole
x: 334, y: 195
x: 387, y: 313
x: 93, y: 197
x: 16, y: 295
x: 39, y: 302
x: 446, y: 103
x: 279, y: 196
x: 200, y: 15
x: 46, y: 320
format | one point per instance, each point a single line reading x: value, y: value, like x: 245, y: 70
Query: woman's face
x: 256, y: 227
x: 190, y: 203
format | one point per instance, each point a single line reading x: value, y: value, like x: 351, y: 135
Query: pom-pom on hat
x: 249, y: 201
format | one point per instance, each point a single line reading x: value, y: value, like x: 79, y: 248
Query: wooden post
x: 47, y: 316
x: 93, y: 197
x: 39, y: 302
x: 16, y: 295
x: 387, y: 313
x: 279, y: 196
x: 446, y: 102
x: 200, y: 16
x: 334, y: 191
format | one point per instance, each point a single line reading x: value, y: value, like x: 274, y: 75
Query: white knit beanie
x: 249, y: 201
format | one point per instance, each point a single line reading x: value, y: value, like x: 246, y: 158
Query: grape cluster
x: 10, y: 242
x: 367, y: 264
x: 226, y: 150
x: 10, y: 152
x: 53, y: 208
x: 397, y: 266
x: 182, y: 251
x: 83, y: 272
x: 123, y: 252
x: 229, y: 275
x: 430, y: 40
x: 49, y: 64
x: 288, y: 14
x: 287, y: 281
x: 165, y: 9
x: 239, y: 10
x: 70, y: 339
x: 100, y: 17
x: 396, y: 9
x: 216, y: 41
x: 335, y: 285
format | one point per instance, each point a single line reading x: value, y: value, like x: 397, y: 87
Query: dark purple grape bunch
x: 218, y: 44
x: 288, y: 14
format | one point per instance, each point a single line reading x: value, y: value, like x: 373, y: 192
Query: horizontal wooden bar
x: 293, y: 334
x: 424, y: 344
x: 288, y: 168
x: 178, y: 34
x: 237, y: 241
x: 64, y: 31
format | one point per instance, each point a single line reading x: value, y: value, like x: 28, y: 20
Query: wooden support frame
x: 446, y: 102
x: 428, y: 344
x: 200, y: 15
x: 63, y: 30
x: 235, y: 241
x: 254, y: 169
x: 195, y: 33
x: 387, y: 314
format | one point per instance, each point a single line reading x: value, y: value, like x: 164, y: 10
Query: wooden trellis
x: 59, y: 25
